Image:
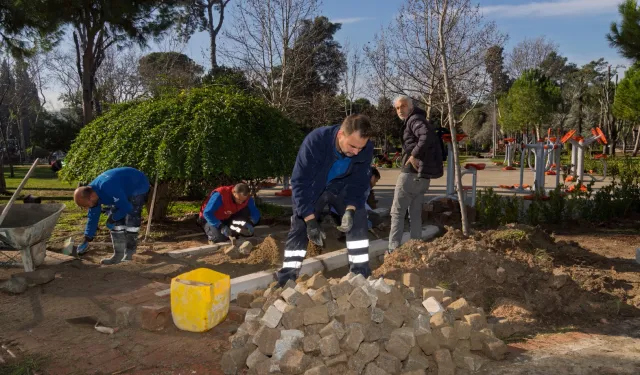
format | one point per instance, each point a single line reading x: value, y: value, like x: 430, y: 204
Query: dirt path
x: 615, y: 350
x: 36, y: 322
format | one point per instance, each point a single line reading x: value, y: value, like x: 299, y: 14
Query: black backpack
x: 440, y: 131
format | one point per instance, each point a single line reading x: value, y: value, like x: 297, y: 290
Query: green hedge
x: 198, y: 135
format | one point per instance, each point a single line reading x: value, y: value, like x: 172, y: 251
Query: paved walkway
x: 492, y: 176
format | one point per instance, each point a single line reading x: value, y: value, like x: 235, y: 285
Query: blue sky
x: 577, y: 26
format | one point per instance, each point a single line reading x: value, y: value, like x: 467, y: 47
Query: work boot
x: 286, y: 274
x: 119, y: 247
x: 361, y: 269
x: 132, y: 244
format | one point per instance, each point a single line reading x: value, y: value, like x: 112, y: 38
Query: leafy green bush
x: 197, y: 137
x: 619, y: 199
x: 489, y: 208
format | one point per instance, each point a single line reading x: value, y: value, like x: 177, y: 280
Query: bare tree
x: 60, y: 65
x: 435, y: 52
x: 351, y: 84
x: 529, y: 54
x: 262, y: 45
x: 117, y: 80
x: 463, y: 36
x: 406, y: 58
x: 205, y: 15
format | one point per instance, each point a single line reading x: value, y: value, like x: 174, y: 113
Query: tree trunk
x: 87, y: 84
x: 3, y: 181
x: 452, y: 123
x: 580, y: 113
x: 212, y: 38
x: 11, y: 174
x: 162, y: 202
x: 637, y: 145
x: 98, y: 104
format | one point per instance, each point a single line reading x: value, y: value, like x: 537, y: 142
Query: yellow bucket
x: 200, y: 299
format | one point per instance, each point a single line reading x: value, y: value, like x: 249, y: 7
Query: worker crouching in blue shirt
x: 125, y: 191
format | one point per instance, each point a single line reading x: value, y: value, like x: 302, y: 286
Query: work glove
x: 347, y: 220
x: 226, y: 231
x: 84, y: 246
x: 315, y: 234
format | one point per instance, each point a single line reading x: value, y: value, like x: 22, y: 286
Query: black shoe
x: 363, y: 270
x: 286, y: 274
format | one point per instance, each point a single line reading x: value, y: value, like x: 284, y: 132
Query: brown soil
x: 268, y: 252
x: 553, y: 282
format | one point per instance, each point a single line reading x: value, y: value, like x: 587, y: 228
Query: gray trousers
x: 408, y: 195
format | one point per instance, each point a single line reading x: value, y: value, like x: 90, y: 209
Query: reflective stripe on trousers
x: 357, y: 242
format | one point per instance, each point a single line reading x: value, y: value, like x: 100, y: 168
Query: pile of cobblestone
x: 357, y: 326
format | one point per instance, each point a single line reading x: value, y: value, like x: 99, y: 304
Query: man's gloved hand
x: 347, y: 220
x: 84, y: 246
x: 249, y: 228
x: 225, y: 230
x: 315, y: 234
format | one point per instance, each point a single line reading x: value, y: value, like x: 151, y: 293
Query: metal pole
x: 153, y: 204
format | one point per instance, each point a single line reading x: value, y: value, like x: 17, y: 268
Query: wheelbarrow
x: 27, y: 230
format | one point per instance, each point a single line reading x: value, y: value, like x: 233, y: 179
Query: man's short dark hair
x: 242, y: 189
x: 357, y: 123
x: 375, y: 172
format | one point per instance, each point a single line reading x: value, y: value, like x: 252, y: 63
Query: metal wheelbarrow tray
x: 27, y: 228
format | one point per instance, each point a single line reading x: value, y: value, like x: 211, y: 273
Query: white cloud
x: 345, y: 21
x: 553, y: 8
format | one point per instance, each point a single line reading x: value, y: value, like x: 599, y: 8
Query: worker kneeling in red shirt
x: 228, y: 211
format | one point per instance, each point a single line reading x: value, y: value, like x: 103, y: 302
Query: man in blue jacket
x: 125, y: 190
x: 332, y: 160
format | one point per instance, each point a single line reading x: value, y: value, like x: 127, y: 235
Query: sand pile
x: 516, y: 272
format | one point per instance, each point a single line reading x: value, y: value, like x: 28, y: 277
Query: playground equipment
x: 286, y: 189
x: 541, y: 151
x: 509, y: 145
x: 580, y: 144
x: 27, y: 230
x: 554, y: 155
x: 382, y: 160
x: 469, y: 168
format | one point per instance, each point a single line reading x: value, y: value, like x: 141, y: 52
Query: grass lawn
x: 45, y: 184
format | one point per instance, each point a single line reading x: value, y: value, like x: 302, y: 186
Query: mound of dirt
x: 517, y: 263
x: 268, y: 252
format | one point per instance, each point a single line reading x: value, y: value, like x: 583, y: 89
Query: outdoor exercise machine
x: 469, y: 168
x: 554, y: 155
x: 510, y: 150
x: 541, y: 151
x: 286, y: 189
x: 579, y: 145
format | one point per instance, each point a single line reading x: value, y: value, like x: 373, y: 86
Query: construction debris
x: 354, y: 325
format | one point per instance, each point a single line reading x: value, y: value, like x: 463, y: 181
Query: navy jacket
x: 114, y: 188
x: 315, y: 158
